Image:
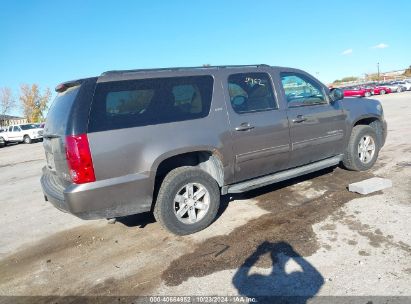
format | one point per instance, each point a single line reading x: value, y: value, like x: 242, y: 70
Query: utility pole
x: 378, y: 68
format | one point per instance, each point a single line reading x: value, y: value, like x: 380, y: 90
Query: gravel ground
x: 308, y: 236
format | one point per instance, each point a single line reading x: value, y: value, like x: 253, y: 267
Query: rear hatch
x: 55, y: 131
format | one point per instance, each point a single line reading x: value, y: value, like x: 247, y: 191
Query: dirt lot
x: 308, y: 236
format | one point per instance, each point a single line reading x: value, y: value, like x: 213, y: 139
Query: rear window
x: 59, y: 112
x: 133, y: 103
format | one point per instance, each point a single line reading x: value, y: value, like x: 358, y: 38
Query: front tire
x: 188, y: 201
x: 27, y: 139
x: 367, y: 94
x: 382, y: 92
x: 362, y: 150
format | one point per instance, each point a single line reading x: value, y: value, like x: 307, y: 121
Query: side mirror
x: 336, y: 94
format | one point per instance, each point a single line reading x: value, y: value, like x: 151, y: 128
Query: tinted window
x: 28, y: 127
x: 16, y: 129
x: 301, y: 91
x: 251, y: 92
x: 132, y: 103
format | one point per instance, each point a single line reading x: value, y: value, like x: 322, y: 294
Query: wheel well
x: 202, y: 159
x: 366, y: 121
x: 374, y: 123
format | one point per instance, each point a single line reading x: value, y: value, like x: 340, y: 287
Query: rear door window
x: 133, y: 103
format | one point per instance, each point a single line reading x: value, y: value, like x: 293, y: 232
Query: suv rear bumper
x: 110, y: 198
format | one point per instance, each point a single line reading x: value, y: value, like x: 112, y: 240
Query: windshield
x: 28, y: 127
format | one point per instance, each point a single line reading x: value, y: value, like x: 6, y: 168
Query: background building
x: 7, y: 120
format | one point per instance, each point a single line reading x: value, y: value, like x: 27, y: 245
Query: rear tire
x: 382, y: 92
x: 367, y: 94
x: 27, y: 139
x: 179, y: 209
x: 362, y: 150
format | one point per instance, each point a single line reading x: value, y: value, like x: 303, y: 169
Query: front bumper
x: 110, y: 198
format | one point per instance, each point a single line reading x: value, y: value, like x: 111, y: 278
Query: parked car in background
x: 381, y: 90
x: 109, y: 153
x: 395, y: 88
x: 356, y: 91
x: 2, y: 141
x: 26, y: 133
x: 406, y: 84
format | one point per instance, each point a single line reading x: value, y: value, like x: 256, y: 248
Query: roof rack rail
x: 183, y: 68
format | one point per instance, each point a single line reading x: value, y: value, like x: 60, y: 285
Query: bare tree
x: 34, y: 103
x: 7, y: 102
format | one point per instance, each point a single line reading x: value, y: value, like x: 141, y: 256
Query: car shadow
x: 137, y: 220
x: 143, y: 219
x: 280, y: 285
x: 277, y: 186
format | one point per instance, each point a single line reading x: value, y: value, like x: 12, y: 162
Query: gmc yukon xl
x: 173, y: 140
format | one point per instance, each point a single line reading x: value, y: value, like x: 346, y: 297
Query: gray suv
x: 172, y: 141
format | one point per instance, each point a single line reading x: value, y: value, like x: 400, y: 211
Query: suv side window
x: 188, y: 98
x: 10, y: 129
x: 251, y: 92
x: 301, y: 91
x: 128, y: 102
x: 133, y: 103
x: 16, y: 129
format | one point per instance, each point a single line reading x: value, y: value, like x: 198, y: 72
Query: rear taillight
x: 79, y: 159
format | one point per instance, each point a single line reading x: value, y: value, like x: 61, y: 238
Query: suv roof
x: 216, y: 67
x: 122, y: 74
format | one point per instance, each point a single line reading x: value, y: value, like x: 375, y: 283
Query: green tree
x: 350, y: 78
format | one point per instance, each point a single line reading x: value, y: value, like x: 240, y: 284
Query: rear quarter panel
x: 141, y: 149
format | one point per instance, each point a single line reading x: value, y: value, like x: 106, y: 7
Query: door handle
x: 245, y: 126
x: 299, y: 118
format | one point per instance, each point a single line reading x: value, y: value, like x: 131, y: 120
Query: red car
x: 381, y: 90
x: 357, y: 91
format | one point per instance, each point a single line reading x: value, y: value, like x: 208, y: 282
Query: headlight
x: 379, y: 108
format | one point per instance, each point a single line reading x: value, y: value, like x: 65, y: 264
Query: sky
x: 47, y: 42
